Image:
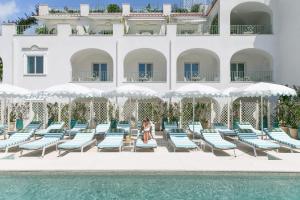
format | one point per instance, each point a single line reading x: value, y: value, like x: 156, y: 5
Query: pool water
x: 203, y: 186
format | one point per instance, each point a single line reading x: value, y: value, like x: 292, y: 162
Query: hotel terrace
x: 229, y: 43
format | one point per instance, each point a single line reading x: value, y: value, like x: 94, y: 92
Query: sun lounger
x: 213, y: 139
x: 102, y: 129
x: 34, y: 125
x: 249, y: 138
x: 195, y: 128
x: 169, y: 126
x: 224, y: 130
x: 139, y: 143
x: 124, y: 125
x: 179, y: 140
x: 53, y: 126
x: 283, y: 139
x: 2, y: 128
x: 247, y: 125
x: 50, y: 139
x: 77, y: 128
x: 113, y: 140
x: 16, y: 139
x: 81, y: 140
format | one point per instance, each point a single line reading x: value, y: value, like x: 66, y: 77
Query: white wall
x: 207, y: 63
x: 289, y: 42
x: 83, y: 61
x: 60, y: 49
x: 148, y: 56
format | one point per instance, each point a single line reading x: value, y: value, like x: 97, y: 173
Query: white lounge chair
x: 81, y: 140
x: 50, y: 139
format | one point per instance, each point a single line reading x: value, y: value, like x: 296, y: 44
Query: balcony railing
x: 200, y: 77
x: 250, y: 29
x: 92, y: 32
x: 252, y: 76
x: 90, y: 77
x: 35, y: 30
x: 145, y: 34
x: 145, y: 77
x: 202, y: 30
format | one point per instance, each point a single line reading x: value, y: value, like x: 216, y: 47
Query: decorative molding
x: 35, y: 48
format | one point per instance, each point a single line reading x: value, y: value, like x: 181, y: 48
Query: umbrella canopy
x: 68, y: 90
x: 96, y: 92
x: 132, y: 91
x: 194, y: 91
x: 264, y: 90
x: 227, y: 92
x: 11, y: 91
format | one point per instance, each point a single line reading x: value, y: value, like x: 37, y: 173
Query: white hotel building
x: 254, y: 41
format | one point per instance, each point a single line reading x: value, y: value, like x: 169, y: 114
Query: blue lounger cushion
x: 77, y: 128
x: 280, y: 136
x: 224, y: 130
x: 183, y: 142
x: 248, y: 126
x: 111, y: 141
x: 53, y: 126
x: 78, y: 141
x: 16, y: 138
x: 150, y: 144
x: 249, y: 137
x: 196, y: 128
x: 47, y: 140
x: 102, y: 129
x: 214, y: 139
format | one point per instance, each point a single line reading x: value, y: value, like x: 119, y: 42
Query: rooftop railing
x: 250, y: 29
x: 35, y: 30
x: 252, y: 76
x: 64, y: 11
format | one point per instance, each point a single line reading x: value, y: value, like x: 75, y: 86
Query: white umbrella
x: 132, y: 91
x: 68, y: 90
x: 264, y: 90
x: 11, y: 91
x: 193, y: 91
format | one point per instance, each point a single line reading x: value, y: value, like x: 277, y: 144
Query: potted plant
x: 294, y: 119
x: 12, y: 118
x: 283, y: 112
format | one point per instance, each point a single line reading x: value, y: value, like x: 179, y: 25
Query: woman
x: 146, y: 128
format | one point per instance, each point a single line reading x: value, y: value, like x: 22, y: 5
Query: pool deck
x: 163, y: 159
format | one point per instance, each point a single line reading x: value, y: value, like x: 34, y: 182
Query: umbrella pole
x: 59, y: 112
x: 180, y: 117
x: 228, y: 113
x: 70, y: 112
x: 107, y: 111
x: 193, y: 117
x: 137, y: 111
x: 2, y: 111
x: 262, y: 114
x: 91, y: 112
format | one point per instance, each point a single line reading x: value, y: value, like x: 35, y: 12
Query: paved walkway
x: 163, y: 159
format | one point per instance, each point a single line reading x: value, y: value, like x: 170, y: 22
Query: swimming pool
x: 132, y: 186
